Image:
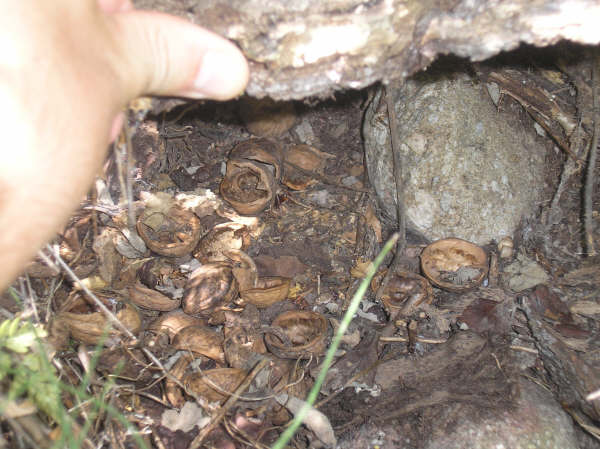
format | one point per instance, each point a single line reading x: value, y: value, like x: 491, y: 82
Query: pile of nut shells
x: 192, y: 295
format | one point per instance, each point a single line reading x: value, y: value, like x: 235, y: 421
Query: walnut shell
x: 405, y: 291
x: 299, y: 162
x: 173, y: 234
x: 93, y: 328
x: 210, y: 286
x: 260, y: 150
x: 173, y: 322
x: 222, y: 237
x: 172, y: 389
x: 201, y: 340
x: 244, y: 269
x: 148, y: 298
x: 306, y: 331
x: 268, y: 291
x: 454, y: 264
x: 248, y: 186
x: 267, y: 118
x: 226, y: 379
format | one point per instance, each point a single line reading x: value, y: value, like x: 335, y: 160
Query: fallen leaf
x: 373, y: 222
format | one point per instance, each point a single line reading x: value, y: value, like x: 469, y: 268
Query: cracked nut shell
x: 226, y: 379
x: 210, y: 286
x: 150, y: 299
x: 268, y: 291
x: 173, y: 234
x: 201, y: 340
x: 454, y: 264
x: 306, y: 332
x: 248, y: 186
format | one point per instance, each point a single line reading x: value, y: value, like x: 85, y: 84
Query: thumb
x: 165, y: 55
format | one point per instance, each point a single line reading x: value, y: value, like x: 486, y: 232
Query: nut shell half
x: 148, y: 298
x: 201, y: 340
x: 248, y: 186
x: 225, y: 379
x: 454, y: 264
x: 405, y: 291
x: 93, y: 328
x: 173, y: 234
x: 209, y: 286
x: 260, y: 150
x: 306, y: 332
x: 268, y: 291
x: 267, y: 118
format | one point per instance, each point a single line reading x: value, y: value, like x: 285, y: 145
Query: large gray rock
x: 471, y: 170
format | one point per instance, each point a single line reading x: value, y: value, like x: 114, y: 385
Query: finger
x: 112, y: 6
x: 165, y: 55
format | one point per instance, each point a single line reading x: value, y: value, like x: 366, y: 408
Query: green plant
x: 352, y: 308
x: 26, y: 373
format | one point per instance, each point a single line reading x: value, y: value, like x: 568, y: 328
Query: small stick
x: 412, y: 335
x: 399, y: 178
x: 588, y: 191
x: 197, y: 442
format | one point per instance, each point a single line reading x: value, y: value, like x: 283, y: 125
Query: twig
x: 588, y: 191
x: 197, y: 442
x: 399, y: 179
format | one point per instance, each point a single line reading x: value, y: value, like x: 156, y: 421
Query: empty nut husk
x: 170, y: 234
x: 226, y: 380
x: 267, y: 118
x: 172, y: 389
x: 222, y: 237
x: 404, y: 292
x: 260, y: 150
x: 210, y: 286
x: 148, y: 298
x: 201, y: 340
x: 173, y: 322
x: 454, y: 264
x: 268, y: 291
x: 303, y: 334
x: 248, y: 186
x: 300, y: 161
x: 506, y: 247
x: 93, y: 328
x: 244, y: 269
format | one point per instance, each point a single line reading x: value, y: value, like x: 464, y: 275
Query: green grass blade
x: 314, y: 392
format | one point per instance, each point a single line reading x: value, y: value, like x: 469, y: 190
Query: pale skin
x: 68, y: 69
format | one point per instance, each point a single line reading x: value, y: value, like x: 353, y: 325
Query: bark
x: 305, y: 48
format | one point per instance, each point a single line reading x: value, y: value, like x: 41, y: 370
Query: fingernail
x: 219, y: 75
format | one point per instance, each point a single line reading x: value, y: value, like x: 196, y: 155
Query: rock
x: 471, y: 171
x: 537, y: 422
x: 524, y: 273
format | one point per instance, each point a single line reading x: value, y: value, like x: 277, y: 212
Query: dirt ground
x: 455, y: 356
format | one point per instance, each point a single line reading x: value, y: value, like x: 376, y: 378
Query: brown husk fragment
x: 454, y: 264
x: 210, y: 286
x: 173, y: 322
x: 244, y: 269
x: 201, y: 340
x: 404, y: 292
x: 307, y: 332
x: 148, y: 298
x: 172, y: 390
x: 267, y: 118
x: 227, y: 379
x: 299, y: 162
x: 91, y: 328
x: 260, y: 150
x: 268, y: 291
x: 223, y: 237
x: 248, y: 186
x: 173, y: 234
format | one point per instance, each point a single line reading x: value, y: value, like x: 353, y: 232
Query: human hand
x: 67, y: 70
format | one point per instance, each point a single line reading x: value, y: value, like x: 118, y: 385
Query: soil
x: 465, y: 351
